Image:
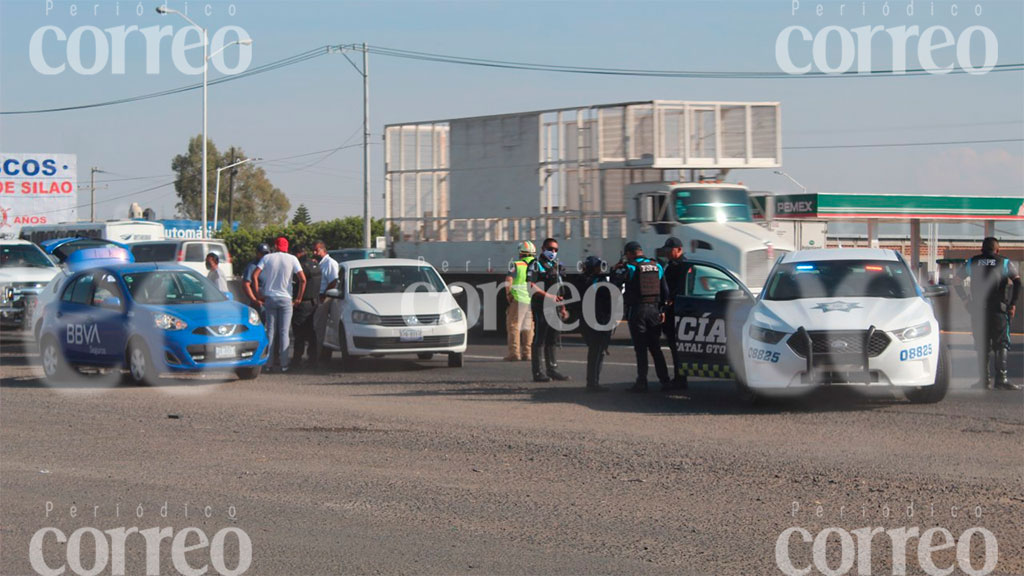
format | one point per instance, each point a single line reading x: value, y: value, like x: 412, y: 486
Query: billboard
x: 37, y: 189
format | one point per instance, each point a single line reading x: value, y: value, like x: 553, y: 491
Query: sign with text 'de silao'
x: 37, y: 189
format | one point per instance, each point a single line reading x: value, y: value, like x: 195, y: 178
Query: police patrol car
x: 148, y: 318
x: 825, y: 317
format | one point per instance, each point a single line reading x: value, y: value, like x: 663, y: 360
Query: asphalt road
x: 397, y: 466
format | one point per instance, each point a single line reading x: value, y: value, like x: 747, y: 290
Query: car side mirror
x: 334, y: 293
x: 456, y: 290
x: 731, y: 296
x: 229, y: 295
x: 111, y: 303
x: 936, y: 291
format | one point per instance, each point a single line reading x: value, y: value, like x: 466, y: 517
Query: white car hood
x: 842, y: 313
x: 27, y: 274
x: 404, y: 304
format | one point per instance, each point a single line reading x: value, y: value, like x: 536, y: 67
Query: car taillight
x: 181, y: 256
x: 228, y: 256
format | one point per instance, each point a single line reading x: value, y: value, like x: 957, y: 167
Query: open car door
x: 711, y: 308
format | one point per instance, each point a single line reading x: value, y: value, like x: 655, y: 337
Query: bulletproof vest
x: 312, y: 272
x: 648, y: 280
x: 990, y: 280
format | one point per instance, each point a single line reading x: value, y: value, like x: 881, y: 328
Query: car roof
x: 133, y: 267
x: 840, y: 254
x: 367, y: 262
x: 17, y: 241
x: 177, y: 241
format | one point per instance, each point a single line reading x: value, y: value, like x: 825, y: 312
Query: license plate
x: 224, y: 352
x: 410, y: 336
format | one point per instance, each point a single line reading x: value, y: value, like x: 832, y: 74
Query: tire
x: 141, y: 371
x: 248, y: 372
x: 455, y: 359
x: 424, y: 355
x: 55, y: 368
x: 937, y: 391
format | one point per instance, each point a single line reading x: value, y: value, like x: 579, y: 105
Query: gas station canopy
x: 827, y: 206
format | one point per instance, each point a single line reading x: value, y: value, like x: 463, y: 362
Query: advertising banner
x: 37, y: 189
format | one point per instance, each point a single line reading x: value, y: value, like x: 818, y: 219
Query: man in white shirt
x: 215, y: 275
x: 273, y: 280
x: 328, y: 280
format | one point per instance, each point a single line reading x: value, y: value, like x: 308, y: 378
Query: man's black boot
x: 1002, y: 373
x: 538, y: 374
x: 984, y: 378
x: 551, y: 364
x: 640, y: 387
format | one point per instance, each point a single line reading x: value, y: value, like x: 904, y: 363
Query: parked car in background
x: 188, y: 253
x: 24, y: 272
x: 391, y: 306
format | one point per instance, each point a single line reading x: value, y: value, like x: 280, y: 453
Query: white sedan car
x: 386, y: 306
x: 845, y: 317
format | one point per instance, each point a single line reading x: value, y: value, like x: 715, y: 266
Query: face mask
x: 549, y: 255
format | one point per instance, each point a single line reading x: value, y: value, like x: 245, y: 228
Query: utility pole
x: 231, y: 190
x: 92, y: 192
x: 366, y: 147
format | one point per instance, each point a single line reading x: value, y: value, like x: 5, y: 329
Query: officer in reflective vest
x: 518, y: 319
x: 645, y: 297
x: 995, y: 289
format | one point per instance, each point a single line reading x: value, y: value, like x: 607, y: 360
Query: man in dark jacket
x: 674, y: 275
x: 646, y: 293
x: 597, y: 321
x: 305, y: 310
x: 995, y: 290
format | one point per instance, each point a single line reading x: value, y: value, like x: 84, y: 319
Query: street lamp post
x: 206, y: 65
x: 791, y: 179
x: 216, y: 194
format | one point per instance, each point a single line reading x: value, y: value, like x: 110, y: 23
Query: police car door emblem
x: 836, y: 306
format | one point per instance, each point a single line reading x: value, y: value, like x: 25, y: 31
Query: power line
x: 568, y: 69
x: 290, y: 61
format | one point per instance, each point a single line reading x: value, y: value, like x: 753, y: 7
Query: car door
x: 75, y: 319
x: 335, y: 311
x: 108, y: 304
x: 711, y: 307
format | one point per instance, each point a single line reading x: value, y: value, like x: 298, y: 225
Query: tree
x: 302, y: 216
x: 255, y: 202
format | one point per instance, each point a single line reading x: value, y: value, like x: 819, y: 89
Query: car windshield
x: 23, y: 256
x: 162, y: 252
x: 712, y: 205
x: 840, y: 278
x: 394, y: 279
x: 171, y: 287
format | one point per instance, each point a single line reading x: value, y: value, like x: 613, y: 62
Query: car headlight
x: 767, y: 335
x: 6, y: 294
x: 254, y: 317
x: 360, y: 317
x: 451, y: 316
x: 914, y: 332
x: 169, y: 322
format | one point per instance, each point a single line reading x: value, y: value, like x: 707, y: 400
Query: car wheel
x: 937, y: 391
x: 248, y: 372
x: 141, y: 370
x: 425, y: 355
x: 455, y: 359
x: 55, y: 369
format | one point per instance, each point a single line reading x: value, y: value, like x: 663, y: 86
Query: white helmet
x: 527, y: 247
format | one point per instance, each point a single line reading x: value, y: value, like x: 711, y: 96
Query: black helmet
x: 593, y: 264
x: 263, y: 248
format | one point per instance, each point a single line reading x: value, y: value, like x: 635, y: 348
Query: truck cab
x: 714, y: 221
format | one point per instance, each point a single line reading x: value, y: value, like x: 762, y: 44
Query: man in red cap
x: 273, y: 280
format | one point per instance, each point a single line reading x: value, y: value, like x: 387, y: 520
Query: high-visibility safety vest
x: 520, y: 289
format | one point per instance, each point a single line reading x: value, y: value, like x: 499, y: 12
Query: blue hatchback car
x: 148, y: 318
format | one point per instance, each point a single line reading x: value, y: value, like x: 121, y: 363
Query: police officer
x: 305, y: 310
x: 596, y: 323
x: 674, y: 274
x: 518, y: 318
x: 254, y: 299
x: 646, y: 294
x: 545, y: 276
x: 995, y: 289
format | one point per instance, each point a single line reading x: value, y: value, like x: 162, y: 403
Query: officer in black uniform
x: 674, y: 274
x: 302, y: 317
x: 545, y: 277
x: 646, y: 294
x: 995, y: 289
x: 596, y: 323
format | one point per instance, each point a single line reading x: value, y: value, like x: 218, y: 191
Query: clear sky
x: 317, y: 104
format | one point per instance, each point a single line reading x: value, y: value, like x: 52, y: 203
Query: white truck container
x: 461, y: 193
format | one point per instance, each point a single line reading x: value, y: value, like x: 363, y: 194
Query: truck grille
x: 841, y: 342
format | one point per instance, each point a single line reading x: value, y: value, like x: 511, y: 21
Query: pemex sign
x: 36, y: 189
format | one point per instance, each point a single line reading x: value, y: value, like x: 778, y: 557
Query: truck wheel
x: 455, y: 359
x: 55, y: 369
x: 937, y: 391
x: 248, y: 372
x: 141, y: 369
